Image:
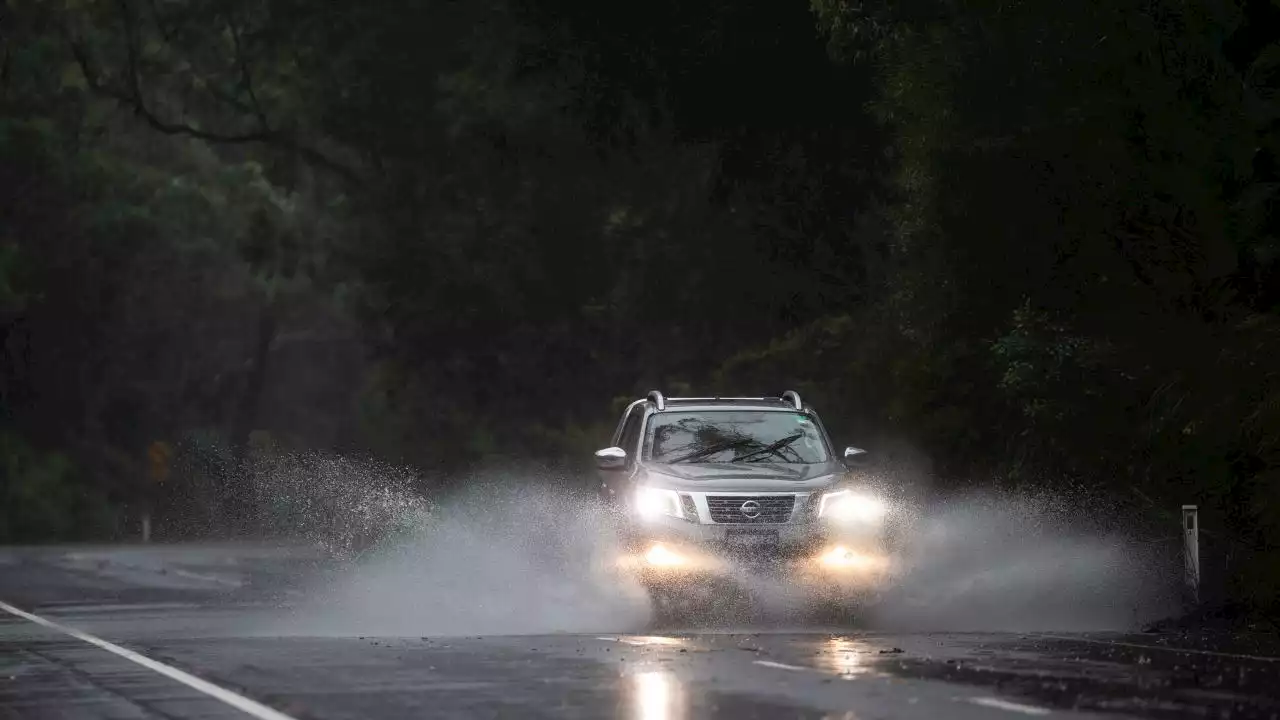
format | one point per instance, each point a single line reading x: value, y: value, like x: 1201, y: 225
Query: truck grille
x: 772, y: 508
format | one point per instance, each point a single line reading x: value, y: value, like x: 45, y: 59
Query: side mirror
x: 611, y: 458
x: 855, y: 457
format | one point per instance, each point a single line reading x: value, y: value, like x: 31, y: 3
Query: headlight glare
x: 652, y: 502
x: 849, y: 506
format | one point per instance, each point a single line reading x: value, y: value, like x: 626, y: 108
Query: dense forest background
x: 1034, y: 242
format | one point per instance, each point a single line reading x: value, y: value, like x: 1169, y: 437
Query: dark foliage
x: 1037, y: 243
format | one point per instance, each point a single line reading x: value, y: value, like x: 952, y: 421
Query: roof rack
x: 703, y: 399
x: 791, y: 397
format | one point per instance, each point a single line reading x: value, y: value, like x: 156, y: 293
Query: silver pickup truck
x: 715, y: 490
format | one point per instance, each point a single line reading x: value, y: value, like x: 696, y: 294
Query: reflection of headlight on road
x: 850, y: 506
x: 652, y: 502
x: 658, y: 696
x: 843, y: 657
x: 660, y: 556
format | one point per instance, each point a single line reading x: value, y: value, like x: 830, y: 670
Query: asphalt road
x: 177, y: 632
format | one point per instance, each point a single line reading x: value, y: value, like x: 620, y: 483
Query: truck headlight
x: 854, y: 507
x: 652, y: 502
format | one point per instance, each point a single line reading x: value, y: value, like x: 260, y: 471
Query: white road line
x: 780, y: 666
x: 206, y: 578
x: 1165, y: 648
x: 239, y: 702
x: 646, y: 641
x: 78, y: 606
x: 1010, y: 706
x: 624, y: 641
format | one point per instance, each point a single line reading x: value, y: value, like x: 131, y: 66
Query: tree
x: 1078, y: 229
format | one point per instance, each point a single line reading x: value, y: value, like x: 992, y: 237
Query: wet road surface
x: 198, y: 615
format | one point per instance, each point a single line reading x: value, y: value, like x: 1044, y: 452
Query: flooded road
x: 191, y: 632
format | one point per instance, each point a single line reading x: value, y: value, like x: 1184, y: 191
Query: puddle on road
x: 1154, y: 682
x: 662, y: 695
x: 848, y: 658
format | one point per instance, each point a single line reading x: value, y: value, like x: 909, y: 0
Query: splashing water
x: 505, y: 557
x: 520, y: 555
x: 341, y: 503
x: 989, y: 562
x: 346, y: 505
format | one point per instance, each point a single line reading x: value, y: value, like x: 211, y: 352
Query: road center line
x: 780, y: 666
x: 624, y: 641
x: 207, y: 578
x: 1010, y: 706
x: 239, y: 702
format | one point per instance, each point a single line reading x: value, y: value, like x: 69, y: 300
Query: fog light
x: 842, y: 558
x: 660, y: 556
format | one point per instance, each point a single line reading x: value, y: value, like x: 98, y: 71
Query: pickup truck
x: 715, y: 492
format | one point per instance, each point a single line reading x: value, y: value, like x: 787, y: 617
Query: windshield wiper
x: 711, y: 450
x: 772, y: 448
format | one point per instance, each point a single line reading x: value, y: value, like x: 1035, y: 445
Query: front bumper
x: 675, y: 530
x: 694, y: 548
x: 839, y: 569
x: 791, y: 537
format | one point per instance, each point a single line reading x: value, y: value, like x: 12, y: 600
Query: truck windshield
x: 716, y: 436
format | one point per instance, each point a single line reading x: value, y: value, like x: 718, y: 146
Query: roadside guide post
x: 1191, y: 551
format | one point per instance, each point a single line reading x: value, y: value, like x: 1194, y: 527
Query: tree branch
x: 165, y: 32
x: 231, y: 100
x: 132, y: 97
x: 245, y: 77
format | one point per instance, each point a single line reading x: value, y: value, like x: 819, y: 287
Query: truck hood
x: 743, y: 477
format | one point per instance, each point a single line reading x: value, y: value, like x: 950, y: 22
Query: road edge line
x: 239, y: 702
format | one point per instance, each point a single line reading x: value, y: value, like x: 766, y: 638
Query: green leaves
x: 12, y: 299
x: 43, y: 498
x: 1085, y: 194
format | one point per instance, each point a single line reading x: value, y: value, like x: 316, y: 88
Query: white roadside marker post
x: 1191, y: 550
